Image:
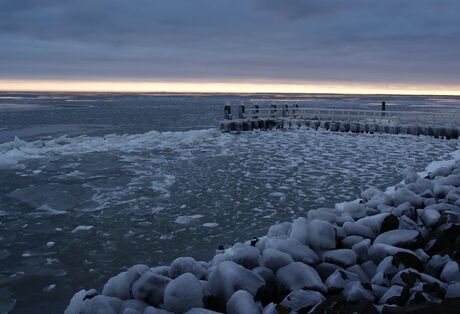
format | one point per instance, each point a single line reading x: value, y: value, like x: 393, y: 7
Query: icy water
x: 147, y: 178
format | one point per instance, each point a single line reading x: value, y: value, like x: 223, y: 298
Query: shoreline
x: 387, y: 252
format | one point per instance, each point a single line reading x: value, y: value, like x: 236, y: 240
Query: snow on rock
x: 355, y: 292
x: 358, y: 229
x: 453, y: 291
x: 183, y: 293
x: 301, y: 300
x: 200, y: 311
x: 229, y: 277
x: 430, y: 217
x: 400, y: 238
x: 183, y: 265
x: 341, y: 257
x: 380, y: 223
x: 242, y: 302
x: 337, y: 280
x: 150, y: 288
x: 120, y: 285
x: 297, y: 276
x: 405, y: 195
x: 245, y: 255
x: 321, y: 235
x: 278, y: 230
x: 275, y: 259
x: 299, y: 230
x: 298, y: 251
x: 154, y: 310
x: 450, y: 272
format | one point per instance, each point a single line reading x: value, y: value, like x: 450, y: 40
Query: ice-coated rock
x: 302, y: 300
x: 437, y: 262
x: 201, y: 311
x: 453, y: 179
x: 405, y: 195
x: 369, y: 268
x: 76, y: 302
x: 453, y: 291
x: 161, y: 270
x: 229, y: 277
x: 321, y: 235
x: 242, y: 302
x: 380, y: 199
x: 341, y: 257
x: 135, y: 306
x: 410, y: 175
x: 337, y: 281
x: 154, y: 310
x: 326, y: 269
x: 120, y: 285
x: 440, y: 172
x: 377, y: 252
x: 450, y: 272
x: 369, y: 193
x: 401, y: 238
x: 349, y: 241
x: 298, y: 251
x: 299, y: 230
x: 297, y: 276
x: 279, y: 230
x: 357, y: 269
x: 183, y: 265
x: 274, y: 259
x: 265, y: 273
x: 183, y: 293
x: 100, y: 304
x: 245, y: 255
x: 430, y: 217
x: 386, y: 269
x: 150, y: 288
x: 441, y: 191
x: 331, y: 215
x: 395, y: 295
x: 354, y: 292
x: 380, y: 223
x: 358, y: 229
x: 361, y: 249
x: 270, y: 309
x: 406, y: 277
x: 355, y: 210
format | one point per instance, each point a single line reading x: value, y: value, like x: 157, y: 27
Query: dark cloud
x: 374, y: 41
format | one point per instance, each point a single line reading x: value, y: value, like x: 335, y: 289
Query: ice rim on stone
x: 390, y: 251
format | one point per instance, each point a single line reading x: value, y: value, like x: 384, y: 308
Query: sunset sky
x: 392, y: 46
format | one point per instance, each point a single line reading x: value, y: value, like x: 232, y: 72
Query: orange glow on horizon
x: 224, y: 87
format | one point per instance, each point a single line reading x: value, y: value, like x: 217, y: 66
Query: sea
x: 91, y: 184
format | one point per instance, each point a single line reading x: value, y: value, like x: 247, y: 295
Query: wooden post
x: 256, y: 112
x: 273, y: 111
x: 383, y: 108
x: 241, y: 110
x: 228, y: 112
x: 285, y: 110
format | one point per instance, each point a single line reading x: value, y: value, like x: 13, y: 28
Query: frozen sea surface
x: 77, y: 209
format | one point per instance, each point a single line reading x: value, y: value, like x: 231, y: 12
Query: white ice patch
x: 210, y: 225
x: 16, y: 151
x: 183, y: 220
x: 82, y: 228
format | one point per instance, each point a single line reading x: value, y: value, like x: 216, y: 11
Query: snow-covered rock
x: 354, y: 292
x: 321, y: 235
x: 380, y: 223
x: 358, y: 229
x: 183, y: 293
x: 229, y: 277
x: 274, y: 259
x: 242, y: 302
x: 341, y: 257
x: 183, y: 265
x: 400, y: 238
x: 297, y: 276
x: 450, y: 272
x: 302, y: 300
x: 337, y: 280
x: 299, y: 230
x: 120, y: 285
x: 279, y: 230
x: 150, y: 288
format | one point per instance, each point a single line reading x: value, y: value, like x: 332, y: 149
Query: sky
x: 389, y: 46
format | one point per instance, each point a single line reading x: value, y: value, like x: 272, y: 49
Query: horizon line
x: 355, y: 88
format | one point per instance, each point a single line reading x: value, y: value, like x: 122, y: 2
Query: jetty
x: 438, y: 124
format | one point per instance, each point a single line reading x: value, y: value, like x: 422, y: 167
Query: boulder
x: 183, y: 293
x: 183, y: 265
x: 242, y: 302
x: 297, y: 276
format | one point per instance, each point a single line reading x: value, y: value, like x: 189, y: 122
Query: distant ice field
x: 76, y: 209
